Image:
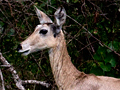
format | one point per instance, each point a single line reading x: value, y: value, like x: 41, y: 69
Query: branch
x: 43, y: 83
x: 1, y: 76
x: 17, y: 80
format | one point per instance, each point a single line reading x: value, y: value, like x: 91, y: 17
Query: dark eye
x: 43, y: 31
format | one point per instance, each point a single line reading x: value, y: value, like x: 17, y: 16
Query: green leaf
x: 97, y: 57
x: 67, y: 1
x: 110, y: 59
x: 104, y: 67
x: 113, y: 62
x: 107, y: 59
x: 97, y: 71
x: 23, y: 26
x: 75, y: 1
x: 110, y: 46
x: 100, y: 54
x: 114, y: 45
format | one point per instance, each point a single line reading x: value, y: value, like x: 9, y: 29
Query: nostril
x: 19, y: 47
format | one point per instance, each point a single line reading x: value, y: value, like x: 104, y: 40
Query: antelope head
x: 45, y: 34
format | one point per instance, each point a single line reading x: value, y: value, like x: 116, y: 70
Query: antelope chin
x: 25, y: 53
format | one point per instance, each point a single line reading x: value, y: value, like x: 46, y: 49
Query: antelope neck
x: 62, y: 68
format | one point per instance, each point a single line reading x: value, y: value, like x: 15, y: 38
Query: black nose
x: 19, y: 47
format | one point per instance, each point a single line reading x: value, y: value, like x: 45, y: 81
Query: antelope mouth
x: 24, y: 53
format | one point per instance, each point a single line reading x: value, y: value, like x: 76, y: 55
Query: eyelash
x: 43, y: 31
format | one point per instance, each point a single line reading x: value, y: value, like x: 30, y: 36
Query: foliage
x: 100, y: 18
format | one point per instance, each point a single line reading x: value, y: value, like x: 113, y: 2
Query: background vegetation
x: 92, y: 31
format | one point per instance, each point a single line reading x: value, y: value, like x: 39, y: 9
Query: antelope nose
x: 19, y: 47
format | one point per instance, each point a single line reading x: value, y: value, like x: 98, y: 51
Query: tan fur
x: 66, y: 76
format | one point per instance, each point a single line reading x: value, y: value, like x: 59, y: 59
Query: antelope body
x: 49, y: 35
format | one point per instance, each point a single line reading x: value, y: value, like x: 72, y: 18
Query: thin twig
x: 87, y: 45
x: 39, y: 66
x: 99, y: 9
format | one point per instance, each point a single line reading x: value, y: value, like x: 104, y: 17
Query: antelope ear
x: 60, y: 16
x: 43, y: 18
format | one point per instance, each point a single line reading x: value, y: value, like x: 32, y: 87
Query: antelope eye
x: 43, y: 31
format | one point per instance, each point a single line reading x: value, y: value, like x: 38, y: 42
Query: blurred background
x: 92, y: 32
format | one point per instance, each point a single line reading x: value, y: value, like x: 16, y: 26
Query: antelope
x: 49, y: 35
